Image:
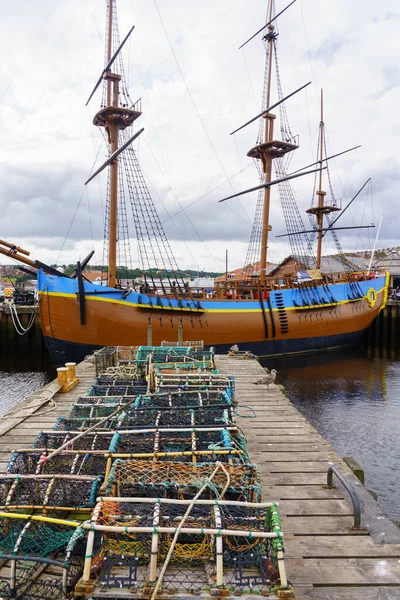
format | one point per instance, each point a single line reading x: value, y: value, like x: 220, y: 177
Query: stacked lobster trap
x: 144, y: 489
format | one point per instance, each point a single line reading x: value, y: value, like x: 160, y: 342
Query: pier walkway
x: 326, y: 558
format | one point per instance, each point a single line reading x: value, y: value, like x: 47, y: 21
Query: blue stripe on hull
x: 290, y: 298
x: 62, y: 351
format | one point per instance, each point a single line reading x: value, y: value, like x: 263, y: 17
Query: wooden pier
x: 326, y: 557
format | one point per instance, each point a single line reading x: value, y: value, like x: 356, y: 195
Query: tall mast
x: 112, y: 129
x: 321, y: 194
x: 269, y: 149
x: 267, y: 160
x: 113, y: 118
x: 322, y: 208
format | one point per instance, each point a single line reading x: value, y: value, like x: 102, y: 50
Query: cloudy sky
x: 193, y: 96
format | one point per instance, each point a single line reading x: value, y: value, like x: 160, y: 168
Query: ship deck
x: 326, y: 558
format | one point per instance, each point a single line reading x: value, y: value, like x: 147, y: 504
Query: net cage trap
x: 52, y: 440
x: 174, y: 354
x: 169, y: 479
x: 159, y: 416
x: 186, y: 445
x: 199, y: 345
x: 183, y: 546
x: 41, y: 558
x: 170, y: 398
x: 179, y: 398
x: 191, y: 380
x: 44, y: 492
x: 110, y: 357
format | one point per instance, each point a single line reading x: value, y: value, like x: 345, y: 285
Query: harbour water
x: 21, y: 375
x: 353, y: 400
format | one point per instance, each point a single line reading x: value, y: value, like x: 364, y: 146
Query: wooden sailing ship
x: 311, y: 311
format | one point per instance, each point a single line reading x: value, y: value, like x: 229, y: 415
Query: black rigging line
x: 185, y: 208
x: 195, y: 107
x: 8, y: 276
x: 75, y: 213
x: 266, y: 25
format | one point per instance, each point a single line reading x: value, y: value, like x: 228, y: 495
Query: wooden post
x: 393, y: 331
x: 377, y: 337
x: 180, y: 333
x: 89, y: 545
x: 385, y: 331
x: 219, y: 558
x: 154, y: 545
x: 149, y: 335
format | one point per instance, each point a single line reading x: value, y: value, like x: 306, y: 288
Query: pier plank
x: 349, y: 593
x: 316, y: 478
x: 293, y: 456
x: 301, y: 492
x: 314, y: 506
x: 339, y: 571
x: 321, y: 525
x: 291, y: 466
x: 340, y: 547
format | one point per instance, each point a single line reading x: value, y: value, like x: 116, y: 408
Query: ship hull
x: 288, y: 322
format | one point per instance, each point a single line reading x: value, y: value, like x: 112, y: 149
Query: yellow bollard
x: 70, y: 370
x: 62, y: 376
x: 66, y: 377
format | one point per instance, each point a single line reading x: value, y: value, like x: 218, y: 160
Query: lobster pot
x: 68, y: 462
x: 117, y: 390
x: 51, y: 440
x: 118, y: 381
x: 187, y: 365
x: 105, y: 358
x: 115, y: 400
x: 64, y: 492
x: 169, y: 479
x: 189, y: 398
x: 199, y: 345
x: 180, y: 445
x: 188, y: 381
x: 160, y: 353
x: 40, y: 561
x: 71, y: 424
x: 179, y: 417
x: 127, y: 355
x: 219, y: 545
x: 91, y: 411
x: 121, y: 372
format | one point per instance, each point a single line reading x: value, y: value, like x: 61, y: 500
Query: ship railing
x: 137, y: 106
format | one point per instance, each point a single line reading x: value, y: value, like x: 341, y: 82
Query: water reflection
x: 353, y: 400
x: 21, y: 376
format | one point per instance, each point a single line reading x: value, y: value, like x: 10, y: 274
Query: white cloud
x: 53, y: 56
